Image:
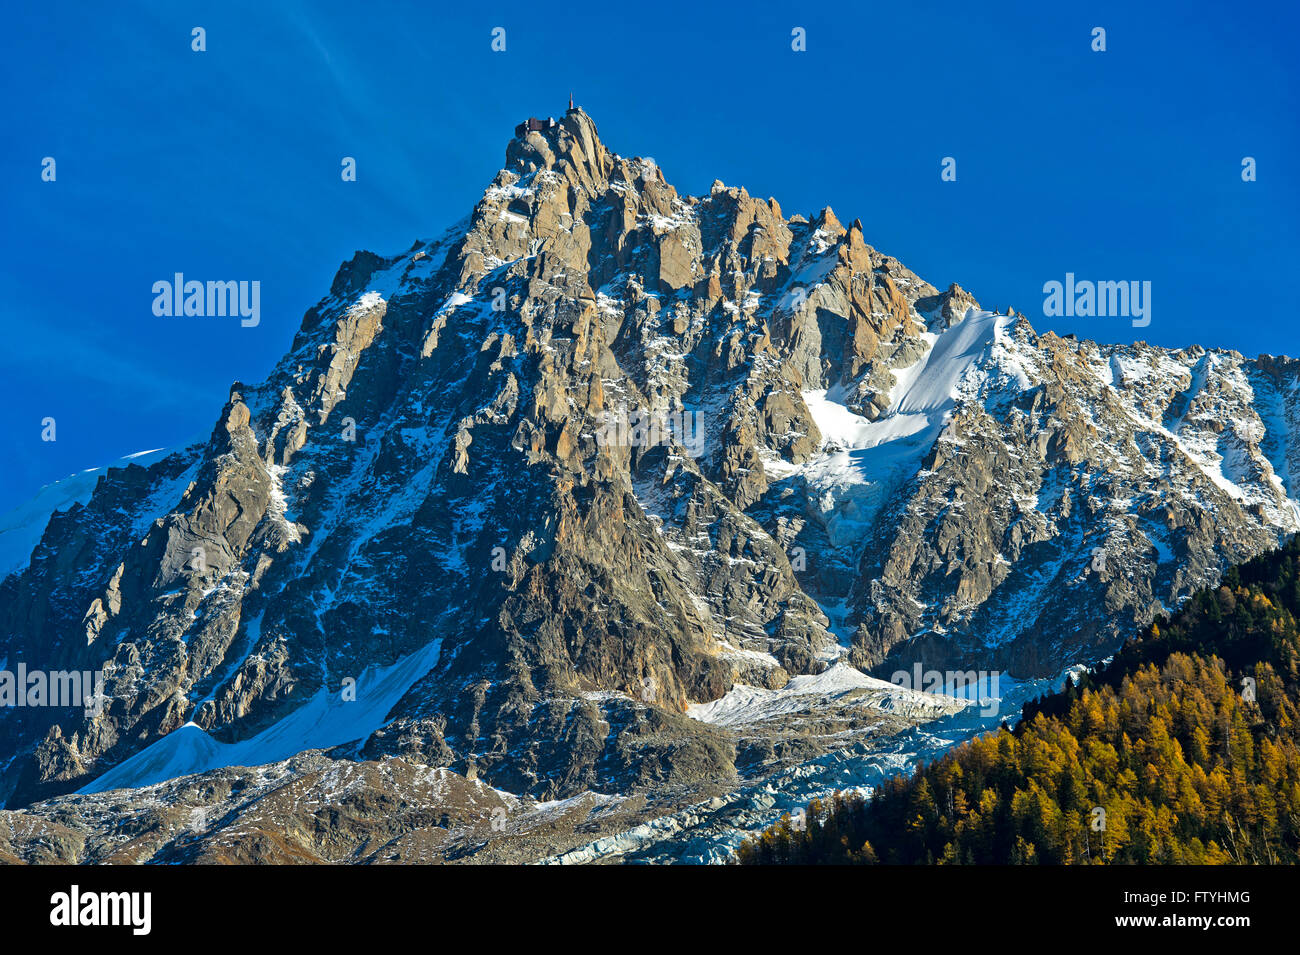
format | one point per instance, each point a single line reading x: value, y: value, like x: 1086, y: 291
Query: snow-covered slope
x: 324, y: 721
x: 22, y: 527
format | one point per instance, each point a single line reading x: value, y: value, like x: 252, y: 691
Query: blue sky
x: 225, y: 164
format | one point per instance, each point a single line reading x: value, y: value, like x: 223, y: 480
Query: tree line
x: 1184, y: 748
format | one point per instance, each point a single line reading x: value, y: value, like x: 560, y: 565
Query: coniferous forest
x: 1183, y: 749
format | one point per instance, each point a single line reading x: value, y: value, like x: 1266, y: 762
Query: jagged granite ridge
x: 889, y: 473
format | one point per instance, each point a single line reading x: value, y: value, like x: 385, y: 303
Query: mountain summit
x: 551, y: 500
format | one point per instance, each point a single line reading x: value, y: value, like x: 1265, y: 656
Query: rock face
x: 622, y: 451
x: 308, y: 810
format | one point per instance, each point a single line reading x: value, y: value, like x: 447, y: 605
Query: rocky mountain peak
x: 602, y: 454
x: 571, y: 146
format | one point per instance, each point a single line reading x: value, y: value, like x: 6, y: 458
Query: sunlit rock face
x: 529, y: 494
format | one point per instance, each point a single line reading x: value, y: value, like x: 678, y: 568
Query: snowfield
x: 21, y: 529
x: 326, y: 720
